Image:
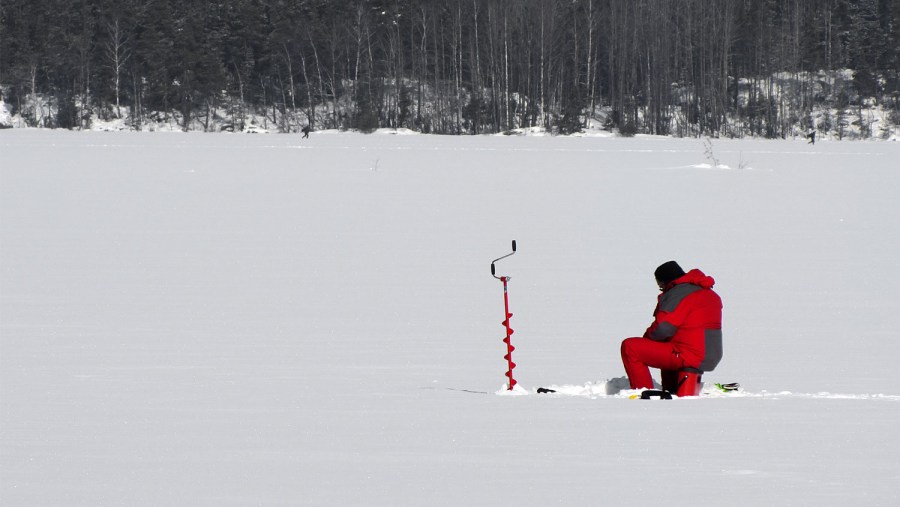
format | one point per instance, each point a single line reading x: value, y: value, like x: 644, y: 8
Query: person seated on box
x: 686, y: 330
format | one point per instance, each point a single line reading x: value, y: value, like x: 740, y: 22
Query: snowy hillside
x: 199, y: 319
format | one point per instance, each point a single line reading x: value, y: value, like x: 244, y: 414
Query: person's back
x: 689, y: 316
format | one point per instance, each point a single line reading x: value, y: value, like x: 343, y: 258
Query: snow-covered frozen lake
x: 199, y: 319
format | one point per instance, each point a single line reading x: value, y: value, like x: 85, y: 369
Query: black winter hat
x: 668, y: 272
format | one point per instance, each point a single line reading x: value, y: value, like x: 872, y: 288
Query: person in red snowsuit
x: 686, y: 330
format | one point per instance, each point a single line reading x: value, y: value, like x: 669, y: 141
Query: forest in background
x: 731, y: 68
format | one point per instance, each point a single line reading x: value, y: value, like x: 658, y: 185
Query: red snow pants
x: 641, y: 354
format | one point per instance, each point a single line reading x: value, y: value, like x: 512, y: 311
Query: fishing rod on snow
x: 509, y: 331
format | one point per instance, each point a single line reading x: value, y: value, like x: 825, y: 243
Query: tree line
x: 669, y: 67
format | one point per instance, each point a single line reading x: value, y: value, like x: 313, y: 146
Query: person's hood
x: 696, y: 277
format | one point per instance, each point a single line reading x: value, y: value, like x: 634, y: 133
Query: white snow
x: 5, y: 117
x: 213, y: 319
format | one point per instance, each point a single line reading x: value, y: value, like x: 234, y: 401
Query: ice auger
x: 509, y: 331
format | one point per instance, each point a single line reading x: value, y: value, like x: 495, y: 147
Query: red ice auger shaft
x: 509, y: 331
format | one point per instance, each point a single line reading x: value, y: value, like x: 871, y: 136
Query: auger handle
x: 494, y: 269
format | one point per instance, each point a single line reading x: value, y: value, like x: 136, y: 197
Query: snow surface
x: 224, y: 319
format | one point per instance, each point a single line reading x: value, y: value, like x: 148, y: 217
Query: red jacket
x: 689, y: 316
